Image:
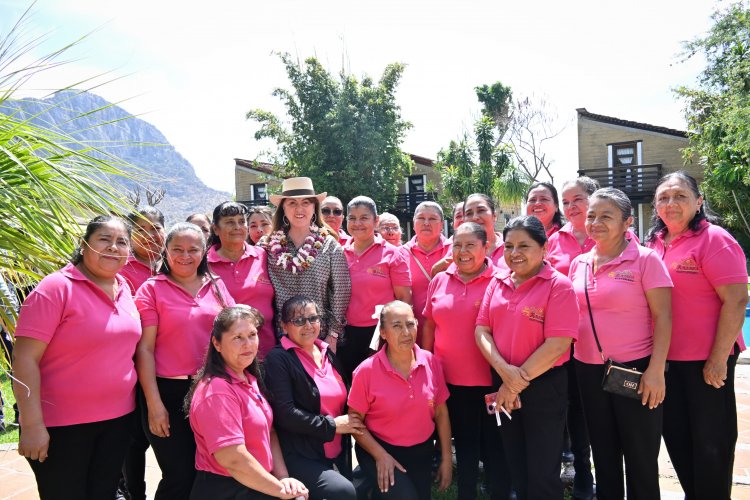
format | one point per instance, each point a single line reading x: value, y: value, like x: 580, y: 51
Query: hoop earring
x: 285, y: 221
x: 312, y: 221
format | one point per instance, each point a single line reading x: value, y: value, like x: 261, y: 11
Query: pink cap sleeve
x: 43, y: 309
x: 427, y: 312
x: 399, y: 269
x: 441, y: 389
x: 219, y: 419
x: 561, y: 318
x: 483, y: 318
x: 359, y: 399
x: 145, y: 301
x: 727, y: 265
x: 654, y: 271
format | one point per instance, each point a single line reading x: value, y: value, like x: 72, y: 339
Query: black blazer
x: 295, y: 400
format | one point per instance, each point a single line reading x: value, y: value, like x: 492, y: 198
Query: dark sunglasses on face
x: 302, y: 320
x: 336, y: 211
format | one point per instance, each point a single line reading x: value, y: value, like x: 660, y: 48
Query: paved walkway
x: 17, y: 480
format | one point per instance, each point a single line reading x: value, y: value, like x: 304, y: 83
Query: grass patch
x: 11, y: 431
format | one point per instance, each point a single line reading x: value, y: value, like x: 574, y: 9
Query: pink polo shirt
x: 563, y: 247
x: 379, y: 269
x: 87, y: 371
x: 228, y: 413
x: 183, y: 322
x: 398, y: 411
x: 618, y: 302
x: 135, y: 273
x: 343, y: 237
x: 419, y: 281
x: 522, y: 318
x: 698, y: 262
x: 453, y: 305
x: 330, y: 386
x: 248, y: 282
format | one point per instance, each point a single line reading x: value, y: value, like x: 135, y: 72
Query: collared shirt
x: 183, y: 322
x: 376, y: 271
x: 398, y: 410
x: 453, y: 306
x: 228, y: 413
x: 329, y: 383
x: 522, y: 318
x: 343, y: 237
x: 248, y: 282
x: 135, y: 273
x: 617, y: 292
x: 87, y: 371
x: 419, y: 281
x: 698, y: 262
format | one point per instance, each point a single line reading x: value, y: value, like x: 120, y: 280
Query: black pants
x: 84, y: 460
x: 533, y: 439
x: 621, y: 427
x: 580, y: 446
x: 176, y: 453
x: 134, y: 466
x: 321, y: 479
x: 700, y: 430
x: 354, y: 347
x: 415, y: 484
x: 210, y: 486
x: 471, y: 426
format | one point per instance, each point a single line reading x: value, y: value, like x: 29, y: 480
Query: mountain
x: 93, y: 121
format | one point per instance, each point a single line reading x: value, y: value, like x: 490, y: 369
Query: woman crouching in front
x: 237, y: 453
x: 399, y: 393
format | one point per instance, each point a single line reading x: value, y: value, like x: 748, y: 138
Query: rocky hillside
x: 94, y: 121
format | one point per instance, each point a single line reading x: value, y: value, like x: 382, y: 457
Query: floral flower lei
x: 278, y: 246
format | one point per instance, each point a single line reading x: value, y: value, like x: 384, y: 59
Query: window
x: 625, y: 155
x: 260, y: 192
x: 416, y: 184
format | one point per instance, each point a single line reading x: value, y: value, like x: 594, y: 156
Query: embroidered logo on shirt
x: 688, y: 265
x: 625, y: 275
x: 379, y: 270
x: 263, y: 279
x: 534, y: 313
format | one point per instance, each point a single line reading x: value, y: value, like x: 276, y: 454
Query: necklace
x: 281, y: 255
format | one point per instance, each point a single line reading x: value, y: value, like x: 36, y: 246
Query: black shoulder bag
x: 618, y: 378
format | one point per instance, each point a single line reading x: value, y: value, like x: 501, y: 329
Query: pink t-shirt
x: 224, y: 413
x: 248, y: 282
x: 379, y: 269
x: 698, y: 262
x: 87, y: 371
x: 399, y: 411
x: 453, y: 305
x: 330, y: 386
x: 618, y: 302
x: 522, y: 318
x: 183, y: 322
x: 563, y: 247
x: 419, y: 281
x: 135, y: 273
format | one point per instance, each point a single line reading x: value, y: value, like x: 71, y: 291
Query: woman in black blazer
x: 308, y: 397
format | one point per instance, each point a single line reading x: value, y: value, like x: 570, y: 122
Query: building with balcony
x: 630, y: 156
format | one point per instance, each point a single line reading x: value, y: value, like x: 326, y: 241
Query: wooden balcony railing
x: 254, y: 203
x: 407, y: 203
x: 637, y: 181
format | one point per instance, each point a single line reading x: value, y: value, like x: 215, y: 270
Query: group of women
x: 244, y: 359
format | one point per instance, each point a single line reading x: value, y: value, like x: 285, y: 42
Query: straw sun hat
x: 296, y: 187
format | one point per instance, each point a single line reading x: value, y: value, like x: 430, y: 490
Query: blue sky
x: 194, y: 68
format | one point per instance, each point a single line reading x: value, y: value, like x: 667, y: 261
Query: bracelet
x: 333, y: 335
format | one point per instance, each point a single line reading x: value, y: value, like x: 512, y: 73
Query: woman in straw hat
x: 305, y: 258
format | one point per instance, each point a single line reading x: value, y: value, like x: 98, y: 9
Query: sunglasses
x: 336, y: 211
x: 302, y: 320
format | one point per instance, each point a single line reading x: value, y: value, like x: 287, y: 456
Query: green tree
x: 344, y: 134
x: 49, y: 182
x: 484, y: 164
x: 718, y: 115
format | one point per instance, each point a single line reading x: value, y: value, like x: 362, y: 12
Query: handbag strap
x: 588, y: 306
x: 414, y: 256
x: 217, y: 292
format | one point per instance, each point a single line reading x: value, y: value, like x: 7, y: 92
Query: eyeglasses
x: 336, y: 211
x: 313, y: 320
x: 389, y: 229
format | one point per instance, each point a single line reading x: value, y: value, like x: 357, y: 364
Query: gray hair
x: 614, y: 195
x: 473, y: 228
x: 363, y: 201
x: 584, y: 182
x: 425, y: 205
x: 389, y: 217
